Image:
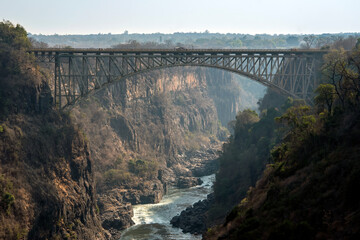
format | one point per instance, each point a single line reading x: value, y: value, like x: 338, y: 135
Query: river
x: 152, y: 221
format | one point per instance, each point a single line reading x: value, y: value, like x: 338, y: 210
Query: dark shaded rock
x: 187, y: 182
x: 207, y: 168
x: 115, y: 214
x: 144, y: 193
x: 193, y: 218
x: 124, y: 130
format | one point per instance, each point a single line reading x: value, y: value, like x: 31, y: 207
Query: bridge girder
x: 78, y: 73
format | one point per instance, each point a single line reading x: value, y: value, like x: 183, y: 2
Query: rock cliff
x: 46, y: 161
x: 168, y: 122
x: 47, y: 188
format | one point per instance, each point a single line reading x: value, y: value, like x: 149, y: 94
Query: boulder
x: 193, y: 218
x: 187, y: 182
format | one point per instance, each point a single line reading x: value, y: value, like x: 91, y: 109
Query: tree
x: 346, y: 43
x: 326, y: 96
x: 299, y: 120
x: 13, y: 36
x: 308, y: 42
x: 244, y: 118
x: 292, y: 41
x: 342, y: 70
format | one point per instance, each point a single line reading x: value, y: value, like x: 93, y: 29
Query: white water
x: 152, y: 221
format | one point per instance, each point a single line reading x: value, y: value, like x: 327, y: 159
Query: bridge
x: 80, y: 72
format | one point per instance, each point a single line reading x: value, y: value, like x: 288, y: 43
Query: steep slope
x: 47, y: 188
x: 310, y: 191
x: 309, y: 195
x: 241, y: 162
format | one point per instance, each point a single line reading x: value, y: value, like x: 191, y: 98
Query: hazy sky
x: 168, y: 16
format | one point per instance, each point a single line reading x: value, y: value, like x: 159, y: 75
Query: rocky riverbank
x: 193, y: 219
x: 115, y: 205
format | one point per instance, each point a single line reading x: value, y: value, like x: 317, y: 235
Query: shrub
x: 7, y: 200
x: 116, y: 176
x: 142, y: 168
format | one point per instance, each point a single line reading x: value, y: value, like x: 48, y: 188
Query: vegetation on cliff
x: 310, y: 188
x: 46, y: 179
x: 244, y: 157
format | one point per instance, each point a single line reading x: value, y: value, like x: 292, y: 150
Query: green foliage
x: 13, y: 36
x: 278, y: 153
x: 244, y: 119
x: 326, y: 96
x: 15, y: 64
x: 97, y: 209
x: 7, y: 199
x: 271, y: 99
x: 299, y: 120
x: 1, y: 129
x: 342, y: 70
x: 142, y: 168
x: 244, y: 157
x: 115, y: 177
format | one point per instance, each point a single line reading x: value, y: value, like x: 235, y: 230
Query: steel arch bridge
x: 79, y: 72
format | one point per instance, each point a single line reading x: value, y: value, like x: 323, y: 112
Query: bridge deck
x: 54, y: 51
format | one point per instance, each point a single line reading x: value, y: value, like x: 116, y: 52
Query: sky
x: 169, y: 16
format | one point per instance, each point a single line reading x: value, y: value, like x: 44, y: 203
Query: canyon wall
x: 47, y: 188
x: 147, y: 131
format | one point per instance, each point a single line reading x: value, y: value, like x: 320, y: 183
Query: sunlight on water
x: 152, y: 221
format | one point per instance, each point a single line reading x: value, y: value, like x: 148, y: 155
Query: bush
x: 7, y: 199
x: 14, y: 36
x: 141, y: 168
x: 116, y: 177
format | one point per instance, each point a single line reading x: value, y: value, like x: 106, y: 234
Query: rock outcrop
x: 115, y: 213
x: 193, y: 219
x: 187, y: 182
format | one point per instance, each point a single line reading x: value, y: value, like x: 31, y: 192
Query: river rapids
x: 152, y: 221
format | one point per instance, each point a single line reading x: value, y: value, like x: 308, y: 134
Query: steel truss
x: 81, y: 72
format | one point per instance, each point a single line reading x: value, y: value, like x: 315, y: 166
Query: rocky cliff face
x: 47, y: 188
x: 167, y: 122
x: 157, y: 111
x: 160, y: 116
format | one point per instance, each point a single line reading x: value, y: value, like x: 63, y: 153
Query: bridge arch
x: 79, y: 73
x: 70, y: 105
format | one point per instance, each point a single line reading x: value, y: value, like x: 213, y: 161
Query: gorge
x: 142, y: 149
x: 170, y: 121
x: 140, y: 136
